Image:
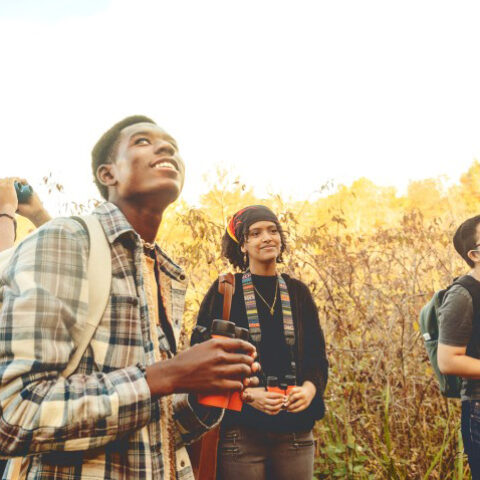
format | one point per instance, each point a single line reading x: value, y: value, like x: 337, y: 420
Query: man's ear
x: 474, y: 256
x: 106, y: 174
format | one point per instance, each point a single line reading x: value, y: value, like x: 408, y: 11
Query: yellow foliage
x: 24, y: 227
x: 371, y: 258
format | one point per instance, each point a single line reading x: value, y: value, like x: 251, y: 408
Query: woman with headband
x: 271, y: 438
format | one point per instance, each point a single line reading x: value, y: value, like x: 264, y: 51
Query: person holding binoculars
x: 129, y: 407
x: 16, y: 196
x: 271, y: 437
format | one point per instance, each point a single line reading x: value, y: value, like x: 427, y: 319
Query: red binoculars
x: 284, y: 387
x: 233, y: 400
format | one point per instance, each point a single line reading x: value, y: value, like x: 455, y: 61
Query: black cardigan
x: 310, y: 353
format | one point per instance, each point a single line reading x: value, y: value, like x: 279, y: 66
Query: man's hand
x: 33, y: 209
x: 270, y: 403
x: 8, y: 196
x: 214, y: 366
x: 301, y: 397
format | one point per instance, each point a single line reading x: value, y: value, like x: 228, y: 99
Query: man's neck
x: 475, y: 272
x: 145, y: 220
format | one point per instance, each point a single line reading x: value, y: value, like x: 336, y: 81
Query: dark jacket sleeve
x: 210, y: 306
x: 315, y: 363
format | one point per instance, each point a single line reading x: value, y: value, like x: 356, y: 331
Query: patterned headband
x: 246, y: 217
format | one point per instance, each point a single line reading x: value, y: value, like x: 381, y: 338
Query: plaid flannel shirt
x: 101, y: 422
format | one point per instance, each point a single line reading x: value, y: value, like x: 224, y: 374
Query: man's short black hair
x: 465, y: 238
x: 104, y: 149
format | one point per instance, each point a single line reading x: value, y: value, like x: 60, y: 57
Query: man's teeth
x: 164, y: 165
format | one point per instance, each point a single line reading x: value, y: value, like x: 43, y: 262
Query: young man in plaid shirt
x: 130, y: 405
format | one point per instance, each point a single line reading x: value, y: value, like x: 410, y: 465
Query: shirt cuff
x: 193, y: 419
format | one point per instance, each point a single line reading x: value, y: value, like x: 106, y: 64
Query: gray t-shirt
x: 455, y: 323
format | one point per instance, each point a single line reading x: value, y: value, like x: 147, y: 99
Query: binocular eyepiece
x: 24, y: 192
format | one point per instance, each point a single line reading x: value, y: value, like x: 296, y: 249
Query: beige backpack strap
x: 15, y: 468
x: 99, y: 282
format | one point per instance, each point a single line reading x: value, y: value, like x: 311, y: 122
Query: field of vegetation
x: 372, y: 258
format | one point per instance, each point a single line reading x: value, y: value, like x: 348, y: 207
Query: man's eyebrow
x: 150, y: 133
x: 142, y: 132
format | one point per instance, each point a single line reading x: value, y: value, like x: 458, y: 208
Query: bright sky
x: 288, y: 94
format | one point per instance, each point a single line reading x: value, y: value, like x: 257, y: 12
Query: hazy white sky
x: 289, y: 94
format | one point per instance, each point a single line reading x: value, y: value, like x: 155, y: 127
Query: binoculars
x: 24, y: 192
x: 285, y: 387
x: 221, y: 328
x: 233, y: 400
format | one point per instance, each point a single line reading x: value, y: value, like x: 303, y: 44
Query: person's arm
x: 455, y: 329
x: 215, y: 366
x: 455, y: 361
x: 193, y: 419
x: 209, y: 371
x: 301, y: 397
x: 44, y: 303
x: 33, y: 209
x: 44, y: 306
x: 315, y: 363
x: 8, y: 207
x: 314, y: 359
x: 211, y: 306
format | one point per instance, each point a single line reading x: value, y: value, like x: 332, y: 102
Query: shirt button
x: 182, y: 277
x: 182, y: 463
x: 134, y: 302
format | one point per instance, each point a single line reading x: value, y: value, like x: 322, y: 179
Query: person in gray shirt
x: 459, y: 339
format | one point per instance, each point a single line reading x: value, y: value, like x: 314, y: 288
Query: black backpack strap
x: 473, y: 288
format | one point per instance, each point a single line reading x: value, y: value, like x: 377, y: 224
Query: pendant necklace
x: 271, y: 308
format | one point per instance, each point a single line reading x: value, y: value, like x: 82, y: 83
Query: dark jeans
x: 250, y: 454
x: 471, y: 435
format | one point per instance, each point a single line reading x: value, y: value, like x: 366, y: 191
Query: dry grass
x: 385, y: 416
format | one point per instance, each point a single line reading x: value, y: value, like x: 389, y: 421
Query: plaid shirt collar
x: 116, y: 226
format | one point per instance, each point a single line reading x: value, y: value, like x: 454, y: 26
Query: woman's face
x: 263, y: 243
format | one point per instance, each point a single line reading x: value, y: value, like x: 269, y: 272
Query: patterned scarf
x: 252, y: 312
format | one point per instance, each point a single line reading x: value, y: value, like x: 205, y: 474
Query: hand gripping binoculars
x: 286, y: 386
x: 219, y: 329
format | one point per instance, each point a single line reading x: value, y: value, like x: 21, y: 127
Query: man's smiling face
x: 146, y: 162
